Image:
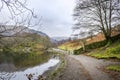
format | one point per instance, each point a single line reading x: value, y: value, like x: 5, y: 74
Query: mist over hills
x: 60, y: 38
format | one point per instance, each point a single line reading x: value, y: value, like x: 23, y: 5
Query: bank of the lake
x: 57, y: 70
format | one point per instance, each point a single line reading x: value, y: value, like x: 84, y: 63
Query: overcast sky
x: 56, y: 16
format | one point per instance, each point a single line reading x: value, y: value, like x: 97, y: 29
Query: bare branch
x: 105, y: 14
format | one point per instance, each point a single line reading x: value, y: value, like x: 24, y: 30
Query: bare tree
x: 20, y: 17
x: 98, y: 15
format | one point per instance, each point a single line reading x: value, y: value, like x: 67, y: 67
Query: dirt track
x: 73, y: 71
x: 82, y: 67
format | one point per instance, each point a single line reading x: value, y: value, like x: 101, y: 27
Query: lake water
x: 35, y: 71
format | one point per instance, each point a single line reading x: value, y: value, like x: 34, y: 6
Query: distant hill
x: 53, y: 40
x: 23, y: 36
x: 37, y: 32
x: 60, y: 38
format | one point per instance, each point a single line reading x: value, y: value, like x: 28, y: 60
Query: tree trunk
x: 83, y: 45
x: 109, y: 40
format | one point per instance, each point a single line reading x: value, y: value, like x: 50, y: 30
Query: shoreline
x: 56, y: 70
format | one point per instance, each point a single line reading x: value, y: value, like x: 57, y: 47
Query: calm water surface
x: 36, y: 70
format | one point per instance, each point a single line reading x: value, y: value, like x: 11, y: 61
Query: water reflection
x: 23, y: 64
x: 35, y: 71
x: 32, y: 59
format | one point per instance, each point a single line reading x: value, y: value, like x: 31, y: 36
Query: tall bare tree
x: 98, y: 15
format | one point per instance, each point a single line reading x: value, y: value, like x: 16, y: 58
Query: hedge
x: 97, y: 45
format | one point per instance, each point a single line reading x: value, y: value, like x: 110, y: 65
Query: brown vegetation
x: 75, y: 44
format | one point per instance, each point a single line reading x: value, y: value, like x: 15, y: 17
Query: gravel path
x: 92, y: 65
x: 73, y: 71
x: 81, y: 67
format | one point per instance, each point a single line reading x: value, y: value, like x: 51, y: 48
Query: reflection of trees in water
x: 32, y: 59
x: 6, y: 76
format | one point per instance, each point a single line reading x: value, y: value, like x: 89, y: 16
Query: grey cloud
x: 56, y: 15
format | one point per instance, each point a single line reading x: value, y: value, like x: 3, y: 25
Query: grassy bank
x: 113, y: 67
x: 111, y: 52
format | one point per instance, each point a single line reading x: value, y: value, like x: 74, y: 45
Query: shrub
x: 96, y: 45
x: 91, y: 46
x: 79, y: 51
x: 116, y: 38
x: 100, y: 44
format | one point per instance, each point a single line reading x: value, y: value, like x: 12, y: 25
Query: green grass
x: 113, y: 67
x: 105, y: 55
x: 111, y: 52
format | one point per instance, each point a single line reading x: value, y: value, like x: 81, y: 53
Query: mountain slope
x: 76, y: 44
x: 15, y: 36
